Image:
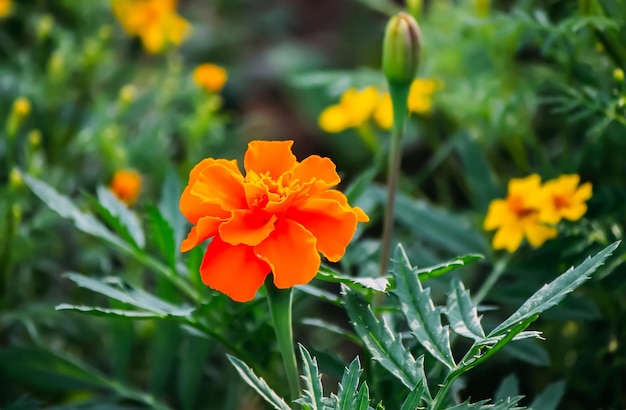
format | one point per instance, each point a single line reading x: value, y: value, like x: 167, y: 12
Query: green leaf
x: 552, y: 293
x: 117, y: 313
x: 163, y: 350
x: 313, y: 393
x: 162, y: 234
x: 478, y: 174
x: 190, y: 369
x: 414, y: 398
x: 347, y: 393
x: 462, y: 313
x: 114, y: 288
x: 362, y: 401
x: 63, y: 206
x: 329, y: 275
x: 169, y: 205
x: 435, y: 271
x: 124, y: 220
x: 384, y: 347
x: 505, y: 404
x: 509, y: 387
x: 423, y: 319
x: 550, y: 397
x: 528, y: 351
x: 258, y: 384
x: 330, y: 327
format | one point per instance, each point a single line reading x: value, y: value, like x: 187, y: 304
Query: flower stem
x: 497, y: 271
x: 280, y: 301
x: 399, y: 94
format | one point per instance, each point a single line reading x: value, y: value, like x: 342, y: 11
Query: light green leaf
x: 126, y: 222
x: 329, y: 275
x: 414, y: 398
x: 100, y: 311
x: 462, y: 313
x: 379, y: 340
x: 423, y: 319
x: 552, y: 293
x: 550, y: 397
x: 313, y: 393
x: 435, y: 271
x: 63, y: 206
x: 258, y: 384
x: 347, y: 393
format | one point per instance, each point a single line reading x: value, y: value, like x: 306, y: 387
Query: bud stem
x: 399, y: 94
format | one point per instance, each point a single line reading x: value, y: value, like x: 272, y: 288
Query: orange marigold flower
x: 155, y: 22
x: 210, y: 77
x: 275, y: 218
x: 564, y: 199
x: 518, y: 215
x: 126, y: 185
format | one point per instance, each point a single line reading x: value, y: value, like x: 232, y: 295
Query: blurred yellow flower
x: 155, y: 22
x: 5, y: 8
x: 384, y: 112
x: 419, y: 102
x: 354, y: 108
x: 125, y: 185
x: 210, y: 77
x: 518, y: 215
x: 564, y: 199
x: 21, y: 107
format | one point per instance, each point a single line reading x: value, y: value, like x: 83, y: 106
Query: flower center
x: 560, y: 202
x: 517, y: 206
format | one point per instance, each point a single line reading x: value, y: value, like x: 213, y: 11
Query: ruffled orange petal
x: 206, y: 227
x: 247, y: 227
x: 316, y: 168
x: 233, y: 270
x: 332, y: 224
x: 220, y: 185
x: 273, y: 157
x: 290, y: 251
x: 339, y: 196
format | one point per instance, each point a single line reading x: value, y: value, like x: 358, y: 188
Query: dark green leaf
x: 100, y: 311
x: 163, y: 235
x: 509, y: 387
x: 258, y: 384
x: 347, y: 393
x: 550, y: 397
x: 423, y: 319
x: 189, y: 375
x: 313, y: 393
x: 462, y: 313
x: 169, y: 208
x: 529, y: 351
x: 414, y: 398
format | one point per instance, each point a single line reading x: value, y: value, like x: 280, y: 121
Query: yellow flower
x: 564, y: 199
x: 155, y: 22
x: 354, y: 108
x: 5, y: 8
x: 518, y: 215
x: 210, y: 77
x: 384, y: 112
x: 21, y: 107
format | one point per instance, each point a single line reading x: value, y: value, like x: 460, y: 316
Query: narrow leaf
x: 462, y: 313
x: 435, y: 271
x: 163, y: 235
x: 126, y: 219
x: 329, y: 275
x: 552, y: 293
x: 423, y: 319
x: 384, y: 347
x: 362, y: 401
x: 100, y: 311
x: 414, y: 398
x: 313, y: 393
x: 347, y: 393
x: 550, y: 397
x: 258, y: 384
x: 509, y: 387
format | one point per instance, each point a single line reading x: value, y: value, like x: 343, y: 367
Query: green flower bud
x: 401, y: 49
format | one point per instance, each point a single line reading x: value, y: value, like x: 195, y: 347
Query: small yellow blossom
x: 354, y: 108
x: 126, y: 185
x: 5, y: 8
x: 564, y: 199
x: 21, y: 107
x: 384, y: 112
x: 518, y: 215
x: 210, y: 77
x: 155, y: 22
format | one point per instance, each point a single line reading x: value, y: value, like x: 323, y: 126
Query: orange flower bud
x: 126, y: 185
x: 210, y: 77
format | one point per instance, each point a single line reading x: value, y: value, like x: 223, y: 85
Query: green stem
x: 498, y: 270
x: 280, y: 301
x: 399, y: 94
x: 368, y: 137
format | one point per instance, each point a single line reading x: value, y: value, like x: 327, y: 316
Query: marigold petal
x: 537, y: 233
x: 497, y: 215
x: 331, y: 223
x: 550, y: 215
x: 333, y: 119
x: 316, y: 168
x: 247, y: 227
x: 339, y: 196
x: 206, y: 227
x: 508, y: 237
x: 525, y: 186
x: 233, y: 270
x: 273, y: 157
x: 583, y: 192
x: 291, y: 253
x: 574, y: 212
x: 178, y: 29
x: 384, y: 112
x: 218, y: 184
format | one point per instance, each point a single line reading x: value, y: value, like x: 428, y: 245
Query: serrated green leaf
x: 462, y: 313
x: 127, y: 222
x: 549, y: 398
x: 414, y: 398
x: 379, y: 284
x: 313, y: 393
x: 101, y: 311
x: 384, y: 347
x: 509, y: 387
x: 435, y: 271
x: 509, y: 403
x: 347, y: 393
x: 423, y: 319
x: 552, y: 293
x: 63, y: 206
x: 362, y: 401
x: 258, y: 384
